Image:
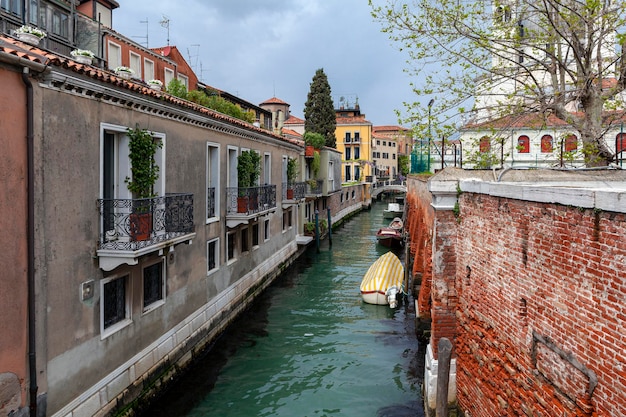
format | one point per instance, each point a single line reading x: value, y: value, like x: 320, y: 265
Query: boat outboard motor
x: 391, y: 296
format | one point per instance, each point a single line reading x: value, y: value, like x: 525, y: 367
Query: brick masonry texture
x: 535, y: 303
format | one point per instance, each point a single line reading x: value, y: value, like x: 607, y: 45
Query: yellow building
x: 354, y: 141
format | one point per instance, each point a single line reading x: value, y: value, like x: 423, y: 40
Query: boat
x: 393, y: 210
x: 392, y: 235
x: 383, y: 281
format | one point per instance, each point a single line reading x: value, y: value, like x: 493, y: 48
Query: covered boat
x: 392, y: 235
x: 393, y: 210
x: 383, y: 281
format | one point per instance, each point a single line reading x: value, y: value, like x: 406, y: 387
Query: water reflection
x: 310, y: 347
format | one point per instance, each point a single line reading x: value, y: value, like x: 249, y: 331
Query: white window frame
x: 158, y: 303
x: 213, y: 179
x: 267, y: 230
x: 267, y: 168
x: 216, y: 255
x: 114, y: 328
x: 148, y: 69
x: 134, y: 62
x: 168, y: 76
x: 184, y: 80
x: 231, y: 235
x: 114, y: 55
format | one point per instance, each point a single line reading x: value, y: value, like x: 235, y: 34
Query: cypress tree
x: 319, y: 112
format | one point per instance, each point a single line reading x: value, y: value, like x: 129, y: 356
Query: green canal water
x: 310, y: 346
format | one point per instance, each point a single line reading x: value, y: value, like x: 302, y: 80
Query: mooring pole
x: 444, y: 355
x: 317, y: 230
x: 330, y: 229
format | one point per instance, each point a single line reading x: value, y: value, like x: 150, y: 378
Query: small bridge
x: 386, y: 186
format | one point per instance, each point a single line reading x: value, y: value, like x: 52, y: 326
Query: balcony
x: 293, y: 192
x: 314, y: 188
x: 130, y: 228
x: 244, y: 204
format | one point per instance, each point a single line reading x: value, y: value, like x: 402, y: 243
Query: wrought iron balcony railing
x: 134, y: 224
x: 251, y: 200
x: 294, y: 191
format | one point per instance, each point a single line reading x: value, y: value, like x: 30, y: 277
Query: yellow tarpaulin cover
x: 386, y: 272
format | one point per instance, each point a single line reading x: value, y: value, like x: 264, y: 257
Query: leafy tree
x: 404, y: 165
x: 319, y: 112
x: 177, y: 88
x: 515, y: 57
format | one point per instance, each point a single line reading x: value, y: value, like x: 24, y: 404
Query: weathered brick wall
x: 419, y: 223
x: 542, y: 311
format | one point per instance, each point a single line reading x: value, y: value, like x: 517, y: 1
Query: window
x: 357, y: 152
x: 384, y: 143
x: 620, y: 142
x: 571, y: 143
x: 212, y: 180
x: 230, y: 244
x: 266, y: 230
x: 385, y: 155
x: 267, y: 168
x: 148, y: 69
x: 393, y: 156
x: 357, y: 137
x: 153, y: 285
x: 114, y: 55
x: 245, y: 246
x: 13, y: 6
x: 135, y: 64
x: 184, y: 80
x: 114, y: 308
x: 285, y: 221
x: 212, y: 255
x: 348, y: 156
x: 377, y: 142
x: 348, y: 172
x: 60, y: 23
x: 168, y: 76
x: 546, y: 144
x: 357, y: 173
x: 523, y: 144
x: 348, y: 138
x: 255, y: 235
x: 484, y: 145
x: 33, y: 15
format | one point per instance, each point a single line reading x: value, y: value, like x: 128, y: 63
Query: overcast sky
x: 258, y: 49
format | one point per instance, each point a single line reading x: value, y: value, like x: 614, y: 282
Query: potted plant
x: 83, y: 56
x: 155, y: 84
x: 29, y: 34
x: 292, y: 175
x: 313, y: 141
x: 248, y: 172
x: 124, y: 72
x: 144, y: 173
x: 309, y: 229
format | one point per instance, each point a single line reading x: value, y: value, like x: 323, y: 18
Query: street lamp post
x: 430, y: 104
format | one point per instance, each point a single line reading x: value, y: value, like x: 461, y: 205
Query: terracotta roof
x: 293, y: 120
x: 352, y: 120
x: 11, y: 46
x: 275, y: 100
x: 389, y: 128
x: 291, y: 132
x: 539, y: 120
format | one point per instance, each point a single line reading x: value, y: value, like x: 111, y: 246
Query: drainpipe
x: 32, y: 348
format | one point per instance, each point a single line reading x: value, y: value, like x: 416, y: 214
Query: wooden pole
x: 330, y: 228
x: 444, y: 357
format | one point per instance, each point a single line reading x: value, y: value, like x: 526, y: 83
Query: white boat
x: 383, y: 281
x: 393, y: 210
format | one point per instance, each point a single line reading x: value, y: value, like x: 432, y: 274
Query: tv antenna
x: 144, y: 37
x: 165, y: 22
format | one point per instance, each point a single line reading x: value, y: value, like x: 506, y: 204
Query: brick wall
x: 541, y: 315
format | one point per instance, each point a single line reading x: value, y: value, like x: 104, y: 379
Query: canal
x: 310, y: 347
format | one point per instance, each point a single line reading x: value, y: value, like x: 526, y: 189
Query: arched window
x: 523, y: 144
x: 620, y: 142
x: 546, y: 144
x: 571, y: 143
x: 485, y: 144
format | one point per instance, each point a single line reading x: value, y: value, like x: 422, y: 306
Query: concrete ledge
x: 590, y: 195
x: 430, y: 382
